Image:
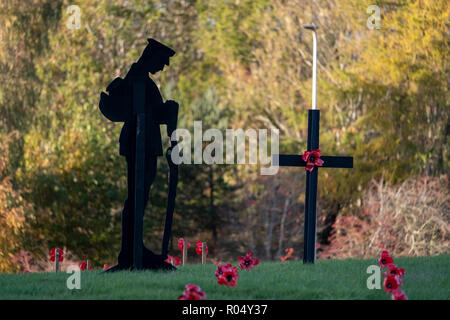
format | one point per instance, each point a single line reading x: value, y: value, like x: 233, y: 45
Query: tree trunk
x: 283, y: 220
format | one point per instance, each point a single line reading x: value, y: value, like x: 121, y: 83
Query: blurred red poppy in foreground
x: 227, y: 275
x: 392, y: 276
x: 175, y: 261
x: 84, y: 266
x: 398, y: 294
x: 312, y: 158
x: 199, y: 248
x: 391, y: 283
x: 248, y: 262
x: 181, y: 244
x: 192, y: 292
x: 53, y: 254
x: 385, y: 259
x: 394, y: 270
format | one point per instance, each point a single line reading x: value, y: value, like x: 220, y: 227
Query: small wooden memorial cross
x: 56, y: 256
x: 185, y: 247
x: 288, y: 160
x: 56, y: 260
x: 203, y: 252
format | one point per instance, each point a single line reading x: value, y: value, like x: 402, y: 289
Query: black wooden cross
x: 293, y: 160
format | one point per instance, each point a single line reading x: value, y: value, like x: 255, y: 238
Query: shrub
x: 410, y: 219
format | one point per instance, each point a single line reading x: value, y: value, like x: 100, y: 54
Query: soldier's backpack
x: 117, y: 104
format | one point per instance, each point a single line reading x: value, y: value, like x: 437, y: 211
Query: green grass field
x: 425, y: 278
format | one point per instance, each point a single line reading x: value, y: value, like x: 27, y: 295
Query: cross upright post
x: 57, y: 259
x: 203, y: 252
x: 139, y: 206
x: 185, y: 252
x: 309, y: 244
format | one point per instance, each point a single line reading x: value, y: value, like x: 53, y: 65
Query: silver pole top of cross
x: 313, y: 27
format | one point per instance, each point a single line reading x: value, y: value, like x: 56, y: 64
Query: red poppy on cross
x: 312, y: 158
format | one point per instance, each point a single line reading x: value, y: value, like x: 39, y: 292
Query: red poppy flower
x: 175, y: 261
x: 391, y: 283
x: 220, y: 268
x: 248, y: 262
x: 385, y: 259
x: 192, y: 292
x: 312, y: 158
x: 385, y: 253
x: 394, y: 270
x: 181, y: 244
x: 53, y: 254
x: 398, y: 294
x: 199, y: 248
x: 227, y: 275
x: 84, y: 266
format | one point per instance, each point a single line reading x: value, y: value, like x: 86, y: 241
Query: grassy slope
x: 426, y: 278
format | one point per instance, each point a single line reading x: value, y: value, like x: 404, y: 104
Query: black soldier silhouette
x: 136, y: 101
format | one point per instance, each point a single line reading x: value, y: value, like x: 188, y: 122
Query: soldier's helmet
x: 155, y: 47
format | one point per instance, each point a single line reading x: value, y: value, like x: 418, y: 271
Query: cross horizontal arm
x: 295, y: 160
